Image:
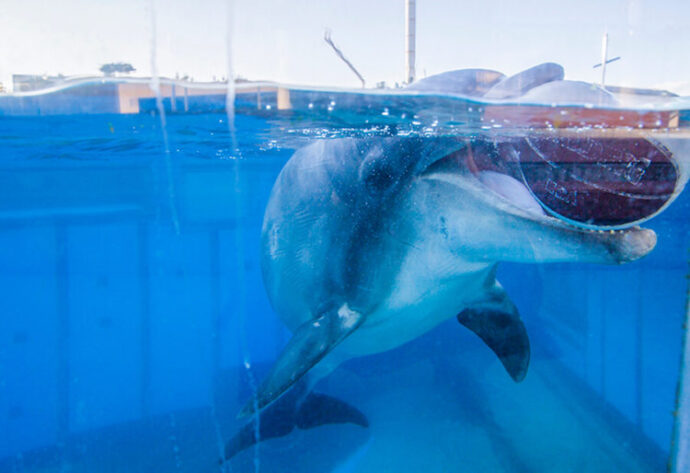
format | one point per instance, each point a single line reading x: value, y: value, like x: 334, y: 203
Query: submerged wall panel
x: 616, y: 331
x: 663, y: 315
x: 181, y: 321
x: 104, y: 329
x: 28, y: 339
x: 250, y: 329
x: 620, y: 304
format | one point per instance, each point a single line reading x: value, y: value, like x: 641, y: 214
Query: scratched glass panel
x: 404, y: 236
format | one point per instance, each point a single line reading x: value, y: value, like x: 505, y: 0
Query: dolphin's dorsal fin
x: 497, y: 322
x: 311, y: 341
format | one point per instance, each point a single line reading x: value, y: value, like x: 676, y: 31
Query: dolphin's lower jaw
x: 580, y: 245
x: 610, y: 246
x: 498, y: 220
x: 600, y: 246
x: 628, y: 245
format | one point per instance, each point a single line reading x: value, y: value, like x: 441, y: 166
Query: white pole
x: 604, y: 57
x: 410, y: 30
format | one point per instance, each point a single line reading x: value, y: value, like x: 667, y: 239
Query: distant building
x: 2, y: 88
x: 84, y: 95
x: 30, y: 82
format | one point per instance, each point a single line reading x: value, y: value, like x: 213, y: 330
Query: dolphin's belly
x: 424, y: 289
x: 416, y: 304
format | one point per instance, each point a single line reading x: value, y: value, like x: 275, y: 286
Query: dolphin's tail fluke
x: 294, y: 409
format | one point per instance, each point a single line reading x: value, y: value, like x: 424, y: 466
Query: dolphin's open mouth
x: 593, y: 184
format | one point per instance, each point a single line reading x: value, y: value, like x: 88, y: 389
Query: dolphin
x: 369, y: 243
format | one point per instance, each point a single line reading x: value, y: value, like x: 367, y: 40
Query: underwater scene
x: 477, y: 272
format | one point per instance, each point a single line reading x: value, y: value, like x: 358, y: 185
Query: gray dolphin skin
x: 370, y: 243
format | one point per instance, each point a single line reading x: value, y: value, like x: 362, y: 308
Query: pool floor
x: 421, y: 419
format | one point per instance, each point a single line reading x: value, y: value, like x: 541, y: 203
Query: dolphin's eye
x: 609, y: 182
x: 377, y: 173
x: 379, y: 178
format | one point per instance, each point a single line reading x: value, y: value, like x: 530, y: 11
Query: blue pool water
x: 134, y: 323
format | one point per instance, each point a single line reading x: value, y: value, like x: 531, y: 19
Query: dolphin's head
x: 577, y: 197
x: 547, y: 199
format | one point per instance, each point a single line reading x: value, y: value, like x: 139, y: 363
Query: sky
x: 282, y: 40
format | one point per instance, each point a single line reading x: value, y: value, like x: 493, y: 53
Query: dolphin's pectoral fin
x: 290, y: 411
x: 498, y: 324
x: 310, y: 343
